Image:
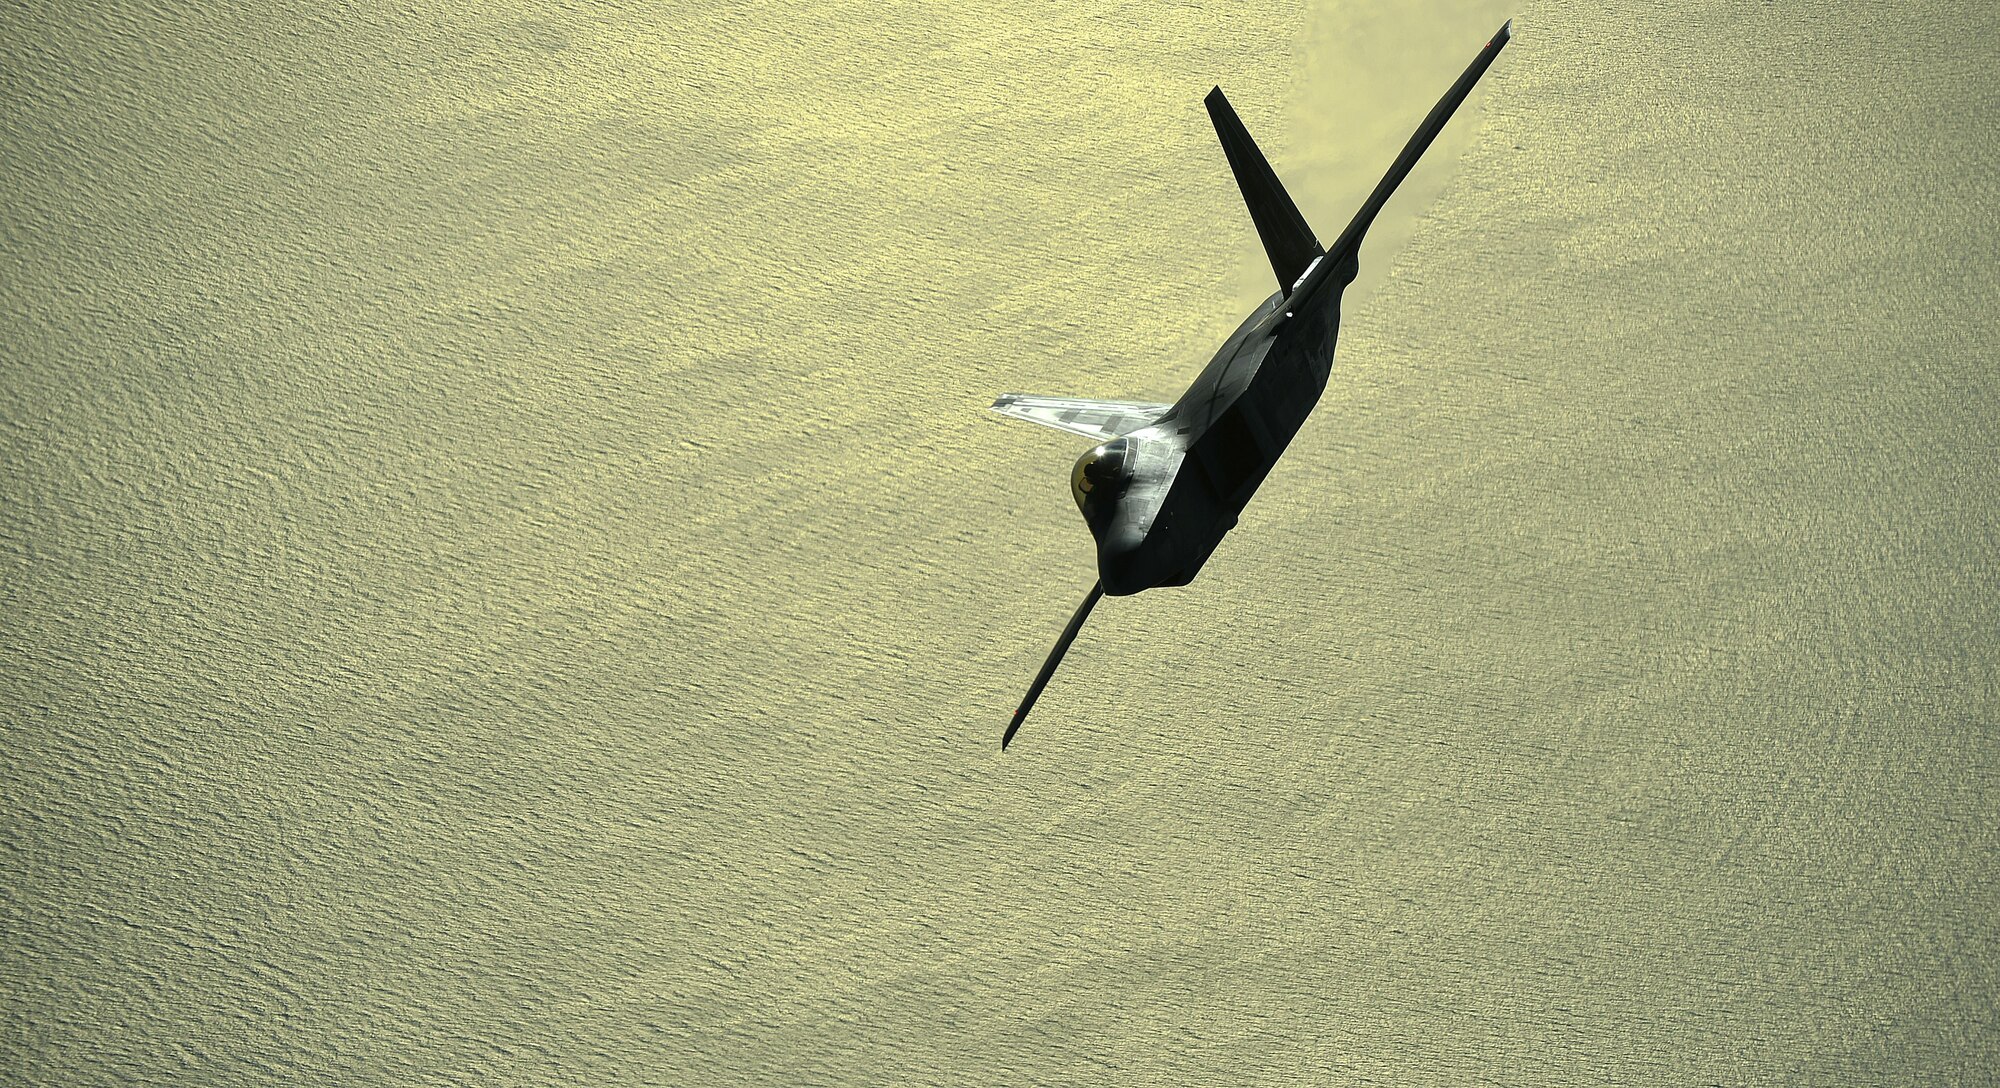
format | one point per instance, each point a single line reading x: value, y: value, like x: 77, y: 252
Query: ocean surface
x: 509, y: 578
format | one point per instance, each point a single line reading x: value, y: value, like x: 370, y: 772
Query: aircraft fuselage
x: 1188, y: 475
x: 1159, y: 497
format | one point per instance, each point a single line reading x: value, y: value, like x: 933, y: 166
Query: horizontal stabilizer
x: 1099, y: 419
x: 1288, y: 241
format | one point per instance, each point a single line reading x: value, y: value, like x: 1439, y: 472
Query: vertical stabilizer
x: 1287, y: 239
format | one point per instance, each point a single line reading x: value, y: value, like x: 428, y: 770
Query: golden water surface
x: 509, y: 579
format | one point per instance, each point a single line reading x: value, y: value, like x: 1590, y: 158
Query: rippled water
x: 510, y: 580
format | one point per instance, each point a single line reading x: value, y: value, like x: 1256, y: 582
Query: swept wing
x: 1098, y: 419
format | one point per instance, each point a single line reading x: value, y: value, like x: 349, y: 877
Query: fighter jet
x: 1166, y: 481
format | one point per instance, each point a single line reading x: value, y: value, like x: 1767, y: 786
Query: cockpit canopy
x: 1099, y: 477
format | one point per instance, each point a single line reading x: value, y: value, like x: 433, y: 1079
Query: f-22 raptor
x: 1170, y: 479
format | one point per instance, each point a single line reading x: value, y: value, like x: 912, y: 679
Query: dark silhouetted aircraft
x: 1168, y: 480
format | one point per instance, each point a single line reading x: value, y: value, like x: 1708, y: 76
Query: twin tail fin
x: 1288, y: 240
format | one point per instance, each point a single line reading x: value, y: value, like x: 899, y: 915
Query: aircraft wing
x: 1099, y: 419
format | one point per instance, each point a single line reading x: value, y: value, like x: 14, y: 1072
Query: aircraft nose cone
x: 1122, y: 561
